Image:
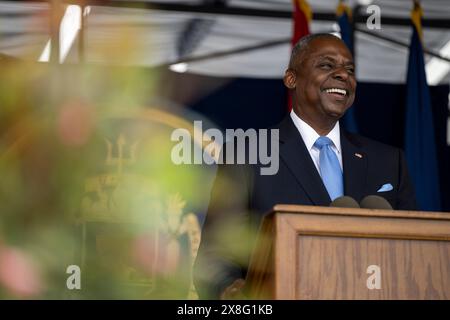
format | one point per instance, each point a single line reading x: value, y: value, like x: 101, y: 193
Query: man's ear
x: 289, y: 79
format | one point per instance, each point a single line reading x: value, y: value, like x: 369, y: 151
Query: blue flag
x: 346, y: 30
x: 343, y: 19
x: 420, y: 145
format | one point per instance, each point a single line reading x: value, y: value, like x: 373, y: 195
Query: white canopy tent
x: 24, y: 33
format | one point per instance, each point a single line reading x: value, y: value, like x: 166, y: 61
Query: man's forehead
x: 331, y: 55
x: 328, y: 47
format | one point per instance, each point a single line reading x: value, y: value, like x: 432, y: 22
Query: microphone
x: 375, y: 202
x: 344, y: 202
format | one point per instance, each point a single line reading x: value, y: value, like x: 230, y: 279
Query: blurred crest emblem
x: 135, y: 231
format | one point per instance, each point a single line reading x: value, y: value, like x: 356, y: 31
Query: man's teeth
x: 336, y: 90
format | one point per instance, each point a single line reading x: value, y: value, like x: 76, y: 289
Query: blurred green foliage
x: 87, y: 180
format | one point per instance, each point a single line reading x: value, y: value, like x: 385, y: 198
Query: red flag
x: 302, y: 16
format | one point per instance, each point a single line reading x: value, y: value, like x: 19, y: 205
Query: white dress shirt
x: 309, y: 136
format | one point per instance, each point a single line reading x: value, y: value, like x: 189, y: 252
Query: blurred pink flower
x: 156, y: 254
x: 18, y: 274
x: 75, y: 123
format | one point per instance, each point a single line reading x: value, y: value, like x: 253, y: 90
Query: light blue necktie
x: 330, y: 169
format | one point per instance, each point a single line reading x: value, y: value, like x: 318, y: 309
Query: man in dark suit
x: 319, y: 162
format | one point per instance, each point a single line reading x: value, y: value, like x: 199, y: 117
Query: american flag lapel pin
x: 359, y: 155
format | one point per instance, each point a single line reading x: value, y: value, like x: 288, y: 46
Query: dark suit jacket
x: 241, y: 196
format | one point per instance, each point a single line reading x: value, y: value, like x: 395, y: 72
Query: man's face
x: 324, y: 78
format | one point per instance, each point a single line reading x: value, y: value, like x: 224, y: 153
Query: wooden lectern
x: 306, y: 252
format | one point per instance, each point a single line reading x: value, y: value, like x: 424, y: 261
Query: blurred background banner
x: 91, y: 92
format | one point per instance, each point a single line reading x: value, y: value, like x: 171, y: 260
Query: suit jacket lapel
x: 355, y: 167
x: 293, y: 152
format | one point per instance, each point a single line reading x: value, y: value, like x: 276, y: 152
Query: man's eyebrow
x: 324, y: 57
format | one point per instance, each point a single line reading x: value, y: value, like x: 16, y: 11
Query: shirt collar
x: 310, y: 136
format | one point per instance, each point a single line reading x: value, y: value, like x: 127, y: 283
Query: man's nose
x: 340, y: 74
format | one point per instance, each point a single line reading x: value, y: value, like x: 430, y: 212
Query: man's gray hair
x: 302, y: 45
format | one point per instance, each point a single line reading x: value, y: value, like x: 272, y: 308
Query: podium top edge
x: 302, y: 209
